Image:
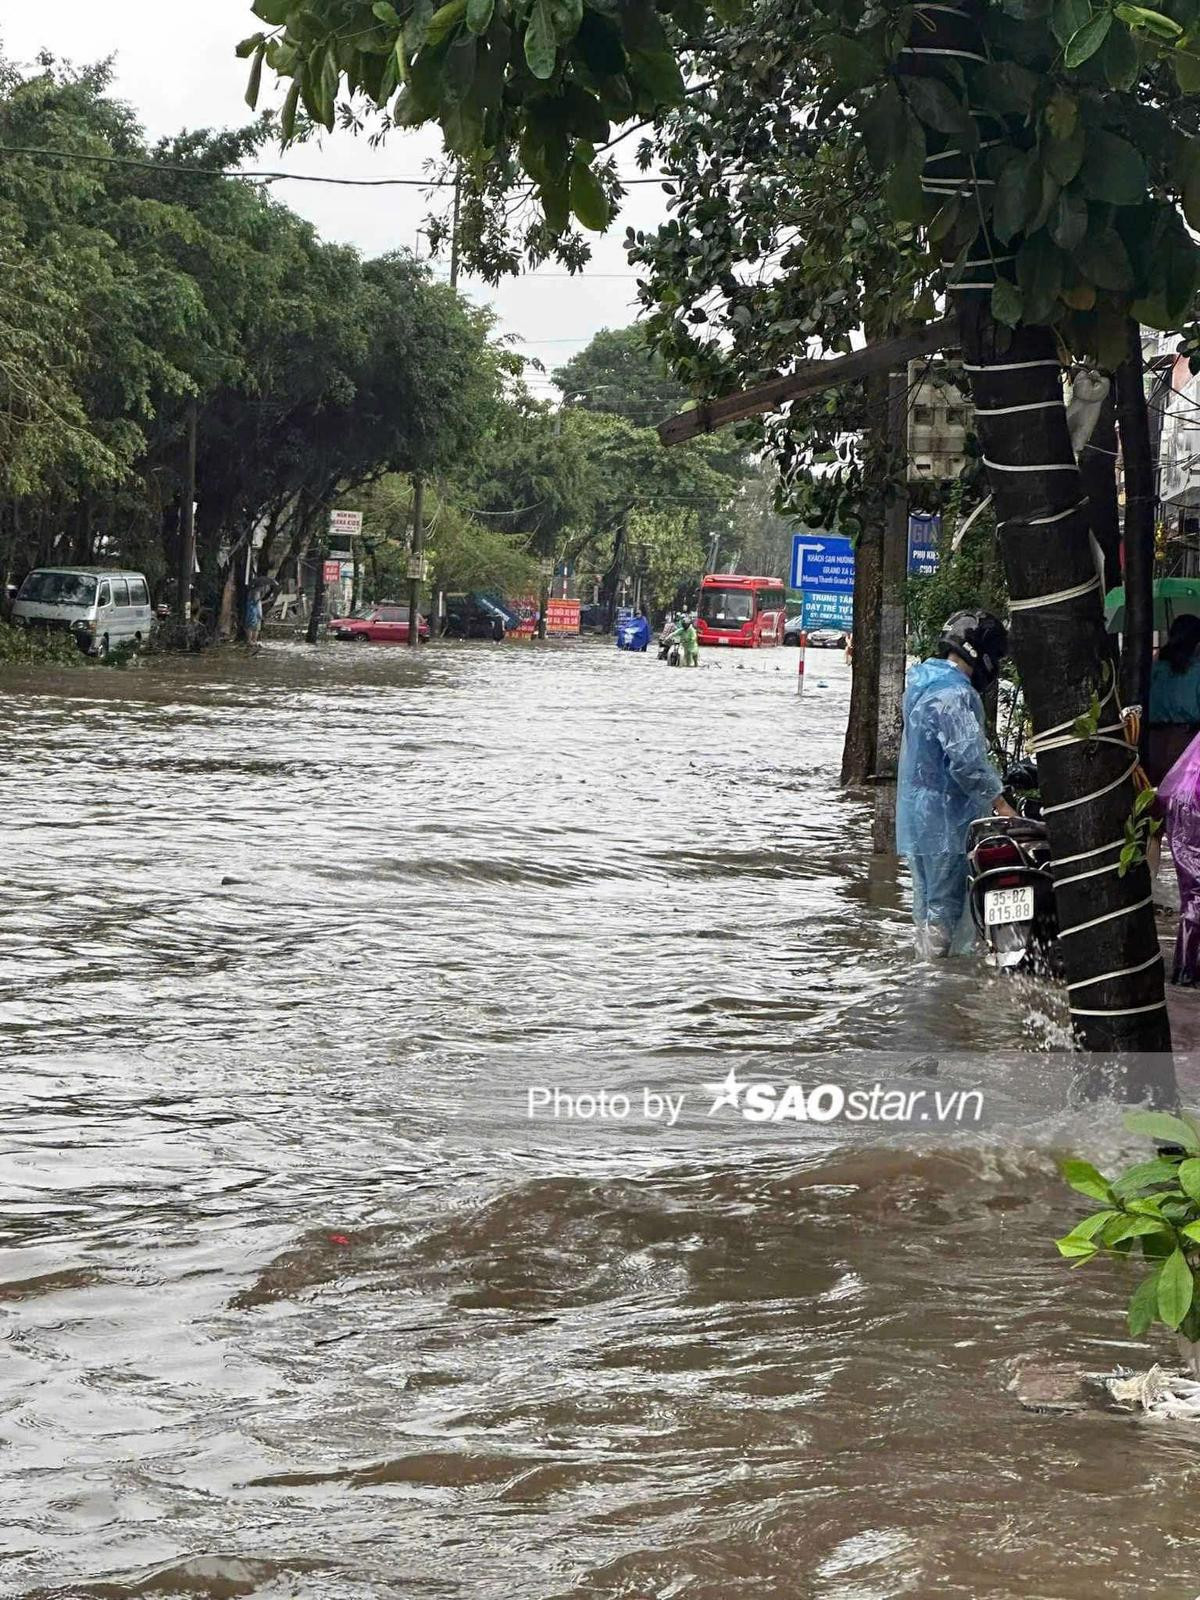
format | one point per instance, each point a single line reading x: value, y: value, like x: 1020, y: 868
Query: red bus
x: 739, y: 610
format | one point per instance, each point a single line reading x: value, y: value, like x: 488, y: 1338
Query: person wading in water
x: 946, y: 777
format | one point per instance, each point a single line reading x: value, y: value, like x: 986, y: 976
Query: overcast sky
x: 175, y: 65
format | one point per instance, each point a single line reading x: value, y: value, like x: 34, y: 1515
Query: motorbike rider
x: 691, y: 642
x: 946, y: 778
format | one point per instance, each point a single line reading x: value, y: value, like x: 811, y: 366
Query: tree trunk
x: 858, y: 751
x: 608, y: 586
x: 1107, y: 921
x: 894, y: 578
x: 1133, y: 418
x: 1113, y: 965
x: 226, y: 626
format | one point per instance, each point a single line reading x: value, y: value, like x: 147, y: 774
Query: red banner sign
x: 562, y: 616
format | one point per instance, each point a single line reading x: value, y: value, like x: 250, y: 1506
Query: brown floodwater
x: 295, y: 1298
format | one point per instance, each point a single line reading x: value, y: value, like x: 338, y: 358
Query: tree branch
x: 809, y: 376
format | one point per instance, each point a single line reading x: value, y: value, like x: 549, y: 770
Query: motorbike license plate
x: 1007, y: 905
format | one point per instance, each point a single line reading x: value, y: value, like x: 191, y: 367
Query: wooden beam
x: 808, y: 377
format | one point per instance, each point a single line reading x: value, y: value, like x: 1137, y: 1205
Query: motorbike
x: 670, y: 645
x: 1010, y: 889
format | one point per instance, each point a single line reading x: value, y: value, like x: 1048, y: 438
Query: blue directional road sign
x: 924, y: 532
x: 833, y: 610
x: 822, y: 562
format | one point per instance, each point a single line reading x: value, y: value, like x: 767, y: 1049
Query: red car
x: 383, y: 624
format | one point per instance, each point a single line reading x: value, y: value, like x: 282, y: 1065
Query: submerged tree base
x: 1059, y: 1388
x: 39, y: 647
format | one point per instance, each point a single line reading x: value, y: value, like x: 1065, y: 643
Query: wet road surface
x: 285, y: 1311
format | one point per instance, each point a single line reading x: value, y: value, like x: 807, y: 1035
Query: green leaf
x: 287, y: 117
x: 479, y: 15
x: 1104, y: 261
x: 600, y: 45
x: 273, y: 11
x: 1007, y: 305
x: 947, y: 216
x: 416, y: 25
x: 1067, y: 17
x: 1113, y: 169
x: 1143, y: 1305
x: 1082, y: 1175
x: 1136, y: 1228
x: 255, y: 83
x: 903, y: 194
x: 1146, y: 21
x: 936, y: 105
x: 1175, y: 1289
x: 386, y: 12
x: 1076, y: 1249
x: 1161, y: 1125
x: 1188, y: 1173
x: 1040, y: 276
x: 1191, y: 1230
x: 1069, y: 223
x: 330, y: 77
x: 854, y: 64
x: 588, y: 200
x: 1063, y: 158
x: 1121, y: 62
x: 1018, y: 195
x: 1187, y: 70
x: 884, y: 128
x: 540, y: 46
x: 1089, y: 1227
x: 556, y: 203
x: 444, y: 21
x: 1084, y: 43
x: 1062, y: 114
x: 1143, y: 1176
x: 657, y: 75
x: 250, y: 46
x: 1005, y: 87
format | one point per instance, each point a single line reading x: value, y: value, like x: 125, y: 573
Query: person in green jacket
x: 691, y: 644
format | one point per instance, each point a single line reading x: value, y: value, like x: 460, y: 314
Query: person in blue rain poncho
x: 946, y: 778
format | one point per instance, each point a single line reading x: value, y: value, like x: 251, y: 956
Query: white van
x: 101, y: 607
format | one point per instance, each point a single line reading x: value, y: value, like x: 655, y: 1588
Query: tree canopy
x: 138, y: 287
x: 1079, y: 121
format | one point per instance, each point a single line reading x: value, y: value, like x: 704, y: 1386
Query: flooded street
x: 284, y: 1313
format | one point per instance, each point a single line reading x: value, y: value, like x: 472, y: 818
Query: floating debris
x: 1166, y: 1396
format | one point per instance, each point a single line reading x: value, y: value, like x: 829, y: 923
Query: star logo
x: 726, y: 1092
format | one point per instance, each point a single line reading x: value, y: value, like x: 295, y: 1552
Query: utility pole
x: 454, y: 225
x: 416, y: 561
x: 894, y: 577
x: 187, y: 516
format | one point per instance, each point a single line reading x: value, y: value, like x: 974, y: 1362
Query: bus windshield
x: 59, y: 589
x: 726, y: 608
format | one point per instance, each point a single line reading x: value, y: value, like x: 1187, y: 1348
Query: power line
x: 263, y: 175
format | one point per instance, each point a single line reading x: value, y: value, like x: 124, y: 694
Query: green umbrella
x: 1173, y: 597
